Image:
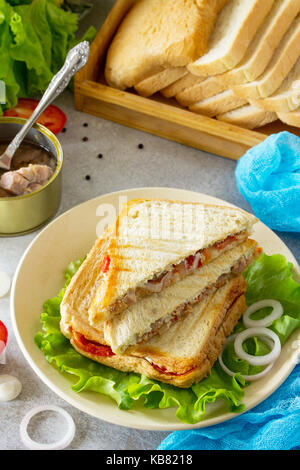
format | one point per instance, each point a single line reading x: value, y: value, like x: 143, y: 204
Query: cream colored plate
x: 40, y: 276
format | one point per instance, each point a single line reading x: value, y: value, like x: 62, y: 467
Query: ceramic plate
x: 40, y: 276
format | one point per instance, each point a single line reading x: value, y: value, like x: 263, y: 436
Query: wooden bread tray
x: 157, y: 115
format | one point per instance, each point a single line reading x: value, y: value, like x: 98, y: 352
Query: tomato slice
x: 92, y: 347
x: 53, y: 118
x: 105, y: 264
x: 3, y: 335
x: 163, y: 370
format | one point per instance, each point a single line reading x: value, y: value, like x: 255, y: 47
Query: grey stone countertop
x: 124, y: 165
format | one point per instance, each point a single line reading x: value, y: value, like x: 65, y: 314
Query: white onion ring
x: 248, y: 378
x: 59, y: 445
x: 260, y: 332
x: 268, y: 320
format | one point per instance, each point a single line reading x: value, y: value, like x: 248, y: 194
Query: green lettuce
x: 35, y: 38
x: 268, y: 277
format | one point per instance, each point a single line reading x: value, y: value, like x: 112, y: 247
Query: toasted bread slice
x: 283, y: 60
x: 153, y: 237
x: 287, y: 97
x: 236, y: 26
x: 185, y: 353
x: 156, y: 35
x: 248, y: 116
x: 218, y: 104
x: 147, y: 317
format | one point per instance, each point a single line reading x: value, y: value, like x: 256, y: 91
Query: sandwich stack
x: 161, y: 289
x: 235, y: 60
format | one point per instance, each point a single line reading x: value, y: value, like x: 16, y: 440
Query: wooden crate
x: 157, y: 115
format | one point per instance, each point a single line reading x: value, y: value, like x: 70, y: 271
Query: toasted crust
x: 81, y: 290
x: 124, y: 274
x: 226, y: 312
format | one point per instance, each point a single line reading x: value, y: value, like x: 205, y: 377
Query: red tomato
x: 3, y: 332
x: 91, y: 347
x: 224, y: 243
x: 163, y: 370
x: 105, y: 264
x: 53, y: 118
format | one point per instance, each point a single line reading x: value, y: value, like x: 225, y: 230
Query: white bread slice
x: 235, y: 28
x: 287, y: 97
x: 283, y: 60
x: 156, y: 82
x: 248, y: 116
x: 209, y: 10
x: 218, y: 104
x: 156, y: 35
x: 185, y: 82
x: 261, y: 49
x: 130, y: 326
x: 186, y: 353
x: 152, y: 236
x: 205, y: 89
x: 292, y: 119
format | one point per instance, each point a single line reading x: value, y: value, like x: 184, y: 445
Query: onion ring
x: 260, y: 332
x: 268, y: 320
x: 248, y: 378
x: 59, y: 445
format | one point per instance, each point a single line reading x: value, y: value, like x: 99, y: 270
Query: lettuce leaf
x: 268, y: 277
x: 35, y: 38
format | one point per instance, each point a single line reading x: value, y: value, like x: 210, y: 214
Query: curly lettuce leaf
x: 126, y: 389
x: 271, y: 277
x: 35, y: 38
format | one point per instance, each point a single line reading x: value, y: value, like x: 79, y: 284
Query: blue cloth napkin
x: 272, y: 425
x: 268, y: 176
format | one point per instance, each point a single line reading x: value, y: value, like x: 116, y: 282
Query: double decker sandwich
x: 167, y: 270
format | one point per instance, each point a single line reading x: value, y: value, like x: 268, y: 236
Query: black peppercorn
x: 141, y: 146
x: 87, y: 177
x: 100, y: 155
x: 85, y: 139
x: 85, y: 124
x: 64, y: 129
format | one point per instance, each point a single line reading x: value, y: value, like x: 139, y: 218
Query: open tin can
x: 23, y: 214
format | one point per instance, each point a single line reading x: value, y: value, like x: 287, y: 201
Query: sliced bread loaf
x: 156, y: 35
x: 218, y: 104
x: 292, y: 119
x: 185, y: 82
x: 267, y: 38
x: 205, y: 89
x: 208, y: 10
x: 248, y: 116
x: 235, y: 28
x: 287, y: 97
x: 283, y: 60
x: 156, y: 82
